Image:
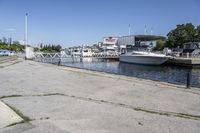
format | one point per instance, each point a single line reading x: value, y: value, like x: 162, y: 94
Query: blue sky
x: 71, y: 22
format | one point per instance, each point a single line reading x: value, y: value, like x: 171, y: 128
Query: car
x: 4, y: 52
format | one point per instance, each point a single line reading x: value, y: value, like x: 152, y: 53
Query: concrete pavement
x: 61, y: 99
x: 8, y: 116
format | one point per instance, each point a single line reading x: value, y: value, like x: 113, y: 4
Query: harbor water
x: 164, y: 73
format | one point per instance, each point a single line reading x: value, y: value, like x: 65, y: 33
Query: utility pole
x: 26, y: 36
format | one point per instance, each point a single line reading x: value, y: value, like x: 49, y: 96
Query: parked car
x: 5, y: 52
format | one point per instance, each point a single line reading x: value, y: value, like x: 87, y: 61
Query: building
x: 4, y: 40
x: 139, y: 40
x: 9, y: 41
x: 132, y: 41
x: 192, y: 48
x: 16, y: 42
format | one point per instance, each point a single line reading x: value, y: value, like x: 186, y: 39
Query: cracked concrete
x: 141, y: 109
x: 63, y: 99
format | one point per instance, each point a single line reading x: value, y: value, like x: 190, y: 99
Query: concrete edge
x: 193, y: 90
x: 8, y: 116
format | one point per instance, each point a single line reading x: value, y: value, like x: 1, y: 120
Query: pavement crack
x: 9, y: 96
x: 100, y: 101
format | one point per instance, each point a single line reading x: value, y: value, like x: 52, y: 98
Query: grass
x: 180, y: 115
x: 53, y: 94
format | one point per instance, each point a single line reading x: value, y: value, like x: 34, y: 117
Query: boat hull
x: 144, y: 60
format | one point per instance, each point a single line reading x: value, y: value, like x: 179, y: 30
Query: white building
x: 126, y: 40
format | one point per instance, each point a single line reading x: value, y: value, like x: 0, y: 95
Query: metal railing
x: 58, y: 55
x: 185, y: 55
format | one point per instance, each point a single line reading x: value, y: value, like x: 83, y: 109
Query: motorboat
x: 76, y: 52
x: 86, y: 52
x: 143, y: 57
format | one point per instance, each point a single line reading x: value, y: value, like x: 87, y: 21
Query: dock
x: 186, y: 62
x: 63, y: 99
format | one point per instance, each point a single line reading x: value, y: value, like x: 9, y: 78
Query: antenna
x: 129, y: 29
x: 151, y: 30
x: 145, y: 30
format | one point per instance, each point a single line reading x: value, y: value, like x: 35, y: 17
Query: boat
x: 144, y: 58
x: 86, y: 52
x: 76, y: 52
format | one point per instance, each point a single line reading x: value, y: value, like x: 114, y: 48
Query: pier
x: 186, y: 62
x: 63, y: 99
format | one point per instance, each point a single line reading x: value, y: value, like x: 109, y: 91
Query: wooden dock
x: 187, y: 62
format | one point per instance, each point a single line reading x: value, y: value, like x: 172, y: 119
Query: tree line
x: 49, y: 48
x: 12, y: 47
x: 183, y: 33
x: 21, y: 48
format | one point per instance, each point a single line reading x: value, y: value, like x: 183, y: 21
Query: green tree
x: 13, y: 47
x: 160, y: 44
x: 182, y: 34
x: 50, y: 48
x: 197, y: 36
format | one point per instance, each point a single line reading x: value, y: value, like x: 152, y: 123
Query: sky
x: 77, y: 22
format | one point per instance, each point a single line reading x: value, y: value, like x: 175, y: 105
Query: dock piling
x: 59, y: 62
x: 188, y: 80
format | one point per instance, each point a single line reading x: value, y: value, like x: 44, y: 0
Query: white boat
x: 145, y: 58
x: 87, y: 52
x: 76, y: 52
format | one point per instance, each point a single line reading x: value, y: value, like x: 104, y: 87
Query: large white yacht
x: 145, y: 58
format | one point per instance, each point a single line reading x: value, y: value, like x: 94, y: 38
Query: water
x: 170, y: 74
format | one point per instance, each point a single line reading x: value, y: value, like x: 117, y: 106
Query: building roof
x: 146, y: 37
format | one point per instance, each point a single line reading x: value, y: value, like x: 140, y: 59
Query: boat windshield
x: 76, y: 50
x: 85, y: 50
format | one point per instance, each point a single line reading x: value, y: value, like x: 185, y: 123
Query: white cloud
x: 10, y: 29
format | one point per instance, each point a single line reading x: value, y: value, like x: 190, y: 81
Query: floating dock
x: 186, y: 62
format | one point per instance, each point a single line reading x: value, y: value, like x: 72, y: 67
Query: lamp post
x: 26, y: 35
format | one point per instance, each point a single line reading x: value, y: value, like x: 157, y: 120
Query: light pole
x: 26, y: 34
x: 26, y: 30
